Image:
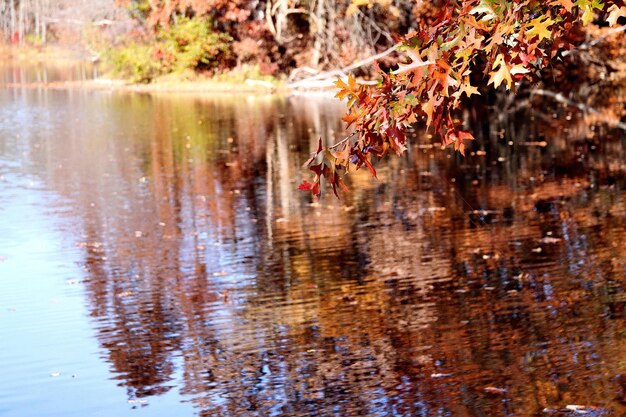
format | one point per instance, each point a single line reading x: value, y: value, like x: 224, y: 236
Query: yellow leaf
x: 587, y: 15
x: 466, y: 88
x: 345, y: 90
x: 539, y: 28
x: 351, y: 82
x: 502, y: 74
x: 430, y: 105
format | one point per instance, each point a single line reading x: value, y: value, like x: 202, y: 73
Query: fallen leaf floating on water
x: 89, y: 244
x: 541, y: 144
x: 580, y: 409
x: 573, y: 409
x: 495, y: 390
x: 137, y: 401
x: 55, y: 374
x: 550, y: 240
x: 124, y: 294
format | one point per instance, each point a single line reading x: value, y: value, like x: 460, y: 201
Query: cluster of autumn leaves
x: 473, y: 44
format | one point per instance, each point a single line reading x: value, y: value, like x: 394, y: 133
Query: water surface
x: 157, y: 259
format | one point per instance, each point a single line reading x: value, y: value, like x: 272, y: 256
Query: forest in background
x: 141, y: 40
x: 35, y: 22
x: 144, y: 39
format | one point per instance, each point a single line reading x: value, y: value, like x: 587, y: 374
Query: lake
x: 157, y: 259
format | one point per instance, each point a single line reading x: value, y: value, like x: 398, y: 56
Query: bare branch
x: 580, y: 106
x: 342, y: 71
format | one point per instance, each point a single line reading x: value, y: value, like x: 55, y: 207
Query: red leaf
x: 305, y: 186
x: 367, y: 163
x: 316, y: 189
x: 465, y: 135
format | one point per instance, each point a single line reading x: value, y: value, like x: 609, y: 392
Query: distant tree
x: 32, y: 20
x: 19, y: 18
x: 313, y: 33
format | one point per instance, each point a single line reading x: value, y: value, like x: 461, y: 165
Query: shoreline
x: 63, y: 56
x: 182, y: 87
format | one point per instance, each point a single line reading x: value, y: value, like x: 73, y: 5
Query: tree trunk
x: 12, y: 29
x: 37, y: 13
x: 282, y: 16
x: 20, y: 22
x: 44, y: 23
x: 319, y: 23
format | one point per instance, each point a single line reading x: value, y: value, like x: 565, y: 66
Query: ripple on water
x: 201, y: 283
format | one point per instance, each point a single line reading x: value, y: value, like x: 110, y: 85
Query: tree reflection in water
x: 489, y: 285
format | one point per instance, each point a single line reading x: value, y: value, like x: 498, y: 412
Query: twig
x: 326, y: 83
x: 344, y: 70
x: 588, y: 45
x: 344, y: 140
x: 580, y: 106
x: 374, y: 25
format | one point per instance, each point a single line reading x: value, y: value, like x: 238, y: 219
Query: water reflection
x: 490, y: 285
x: 35, y: 75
